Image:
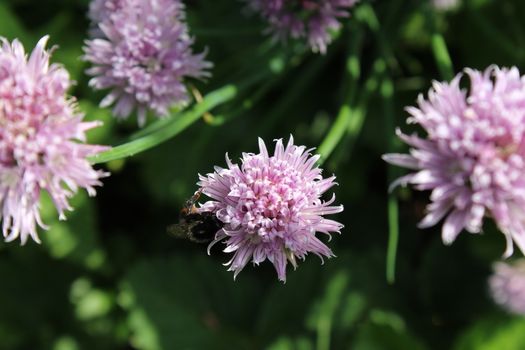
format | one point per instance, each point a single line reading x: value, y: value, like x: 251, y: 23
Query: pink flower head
x: 507, y: 286
x: 101, y: 10
x: 310, y: 19
x: 472, y: 158
x: 271, y: 207
x: 143, y: 55
x: 41, y: 138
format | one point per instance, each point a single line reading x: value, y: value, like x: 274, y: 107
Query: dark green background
x: 111, y: 278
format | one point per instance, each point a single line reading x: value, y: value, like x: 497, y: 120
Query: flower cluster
x: 507, y: 286
x: 271, y: 207
x: 41, y: 138
x: 310, y: 19
x: 143, y: 54
x: 473, y: 157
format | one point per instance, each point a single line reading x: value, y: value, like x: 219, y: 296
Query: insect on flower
x: 194, y: 226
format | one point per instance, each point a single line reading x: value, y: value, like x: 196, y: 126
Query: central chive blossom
x: 41, y: 140
x: 271, y: 207
x: 473, y: 157
x: 310, y: 19
x: 142, y: 52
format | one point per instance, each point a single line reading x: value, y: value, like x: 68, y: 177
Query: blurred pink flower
x: 445, y: 5
x: 507, y: 286
x: 310, y: 19
x: 41, y: 140
x: 271, y: 207
x: 143, y: 54
x: 472, y: 158
x: 101, y: 10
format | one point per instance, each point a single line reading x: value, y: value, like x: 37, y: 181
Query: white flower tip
x: 423, y: 224
x: 447, y: 242
x: 262, y: 148
x: 448, y: 237
x: 393, y: 186
x: 12, y: 237
x: 228, y: 161
x: 35, y: 238
x: 42, y: 42
x: 509, y: 250
x: 387, y: 157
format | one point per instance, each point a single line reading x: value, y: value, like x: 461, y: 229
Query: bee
x: 195, y: 226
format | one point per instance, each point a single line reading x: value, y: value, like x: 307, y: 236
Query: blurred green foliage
x: 111, y: 278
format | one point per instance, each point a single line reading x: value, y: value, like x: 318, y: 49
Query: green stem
x: 387, y: 93
x: 295, y: 91
x: 439, y: 47
x: 442, y: 57
x: 338, y: 129
x: 358, y: 113
x: 241, y: 86
x: 246, y: 104
x: 490, y: 31
x: 11, y: 27
x: 335, y: 134
x: 393, y: 239
x: 324, y: 327
x: 371, y: 85
x: 177, y: 125
x: 368, y: 15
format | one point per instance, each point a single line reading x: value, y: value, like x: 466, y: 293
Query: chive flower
x: 507, y: 286
x: 42, y: 140
x: 312, y: 20
x: 271, y: 207
x: 142, y: 53
x: 472, y: 157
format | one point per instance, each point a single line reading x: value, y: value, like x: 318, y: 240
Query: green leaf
x: 374, y: 336
x: 442, y: 57
x: 177, y: 124
x: 10, y: 27
x: 33, y: 298
x: 286, y: 343
x: 170, y: 308
x: 75, y: 239
x: 90, y: 303
x: 494, y: 333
